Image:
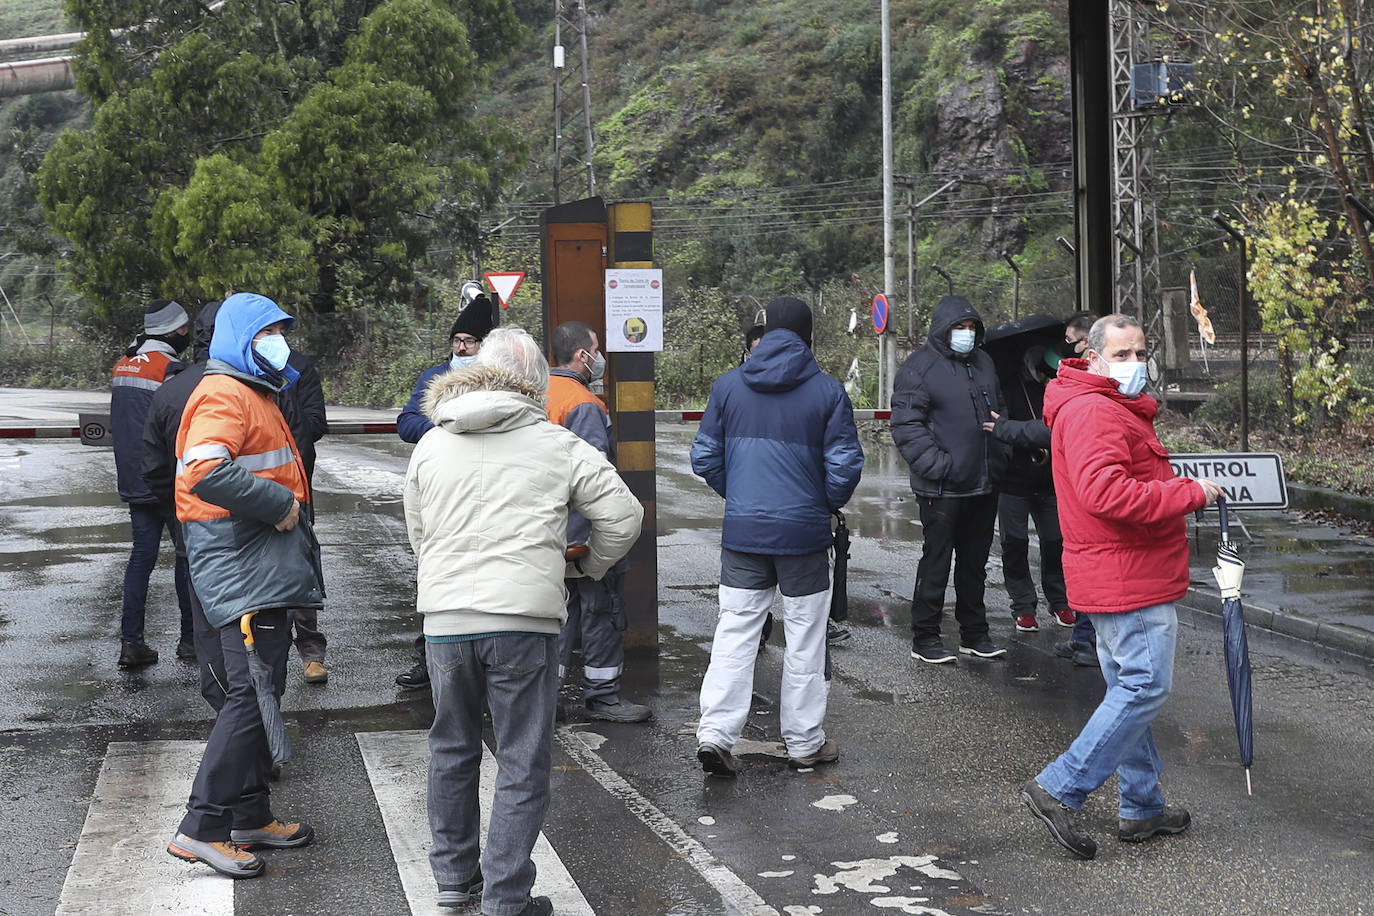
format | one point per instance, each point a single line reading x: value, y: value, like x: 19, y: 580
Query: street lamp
x: 1243, y: 327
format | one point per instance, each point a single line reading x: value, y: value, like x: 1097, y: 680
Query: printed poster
x: 634, y: 311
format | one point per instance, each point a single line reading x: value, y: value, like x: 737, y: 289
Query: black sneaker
x: 1059, y: 818
x: 537, y: 906
x: 136, y: 654
x: 186, y: 649
x: 834, y: 633
x: 1170, y: 820
x: 931, y: 650
x: 983, y: 648
x: 417, y: 678
x: 717, y: 761
x: 458, y: 895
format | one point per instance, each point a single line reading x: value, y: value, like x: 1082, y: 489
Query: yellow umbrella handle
x: 246, y: 626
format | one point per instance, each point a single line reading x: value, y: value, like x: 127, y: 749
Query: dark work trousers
x: 1014, y: 514
x: 147, y: 521
x: 1084, y: 634
x: 596, y: 620
x: 957, y: 528
x: 305, y: 621
x: 214, y: 683
x: 230, y: 790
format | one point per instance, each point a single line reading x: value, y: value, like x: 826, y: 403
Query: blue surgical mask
x: 274, y: 349
x: 961, y: 340
x: 1129, y: 377
x: 462, y: 362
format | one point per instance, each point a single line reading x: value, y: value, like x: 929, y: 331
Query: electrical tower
x: 572, y: 108
x: 1136, y: 239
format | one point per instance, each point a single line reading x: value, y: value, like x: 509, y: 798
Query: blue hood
x: 781, y: 362
x: 240, y: 317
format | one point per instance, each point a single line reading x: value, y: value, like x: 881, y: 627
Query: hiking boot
x: 1065, y: 617
x: 828, y: 752
x: 1059, y: 818
x: 225, y: 858
x: 834, y: 633
x: 1170, y: 820
x: 717, y: 761
x: 186, y: 649
x: 1026, y: 623
x: 983, y: 648
x: 537, y: 906
x: 315, y: 673
x: 931, y: 650
x: 136, y: 654
x: 456, y: 895
x: 416, y: 678
x: 616, y: 709
x: 275, y: 835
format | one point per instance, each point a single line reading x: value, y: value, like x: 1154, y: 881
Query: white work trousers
x: 728, y: 687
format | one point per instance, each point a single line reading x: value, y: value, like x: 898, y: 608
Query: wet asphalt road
x: 925, y: 788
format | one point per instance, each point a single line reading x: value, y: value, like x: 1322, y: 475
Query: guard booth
x: 581, y: 240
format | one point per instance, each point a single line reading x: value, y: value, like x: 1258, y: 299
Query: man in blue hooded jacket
x: 778, y: 442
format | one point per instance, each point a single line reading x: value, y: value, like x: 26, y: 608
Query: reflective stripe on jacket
x: 136, y: 379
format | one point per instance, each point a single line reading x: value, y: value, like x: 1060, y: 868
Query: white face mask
x: 461, y: 362
x: 961, y: 339
x: 274, y: 349
x: 1129, y: 377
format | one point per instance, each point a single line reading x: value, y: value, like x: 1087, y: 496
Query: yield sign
x: 505, y: 285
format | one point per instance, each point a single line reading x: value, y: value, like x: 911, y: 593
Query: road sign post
x: 1252, y: 480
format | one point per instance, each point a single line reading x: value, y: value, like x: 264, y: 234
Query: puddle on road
x: 37, y: 559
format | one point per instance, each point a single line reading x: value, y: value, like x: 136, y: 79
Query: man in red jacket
x: 1125, y: 562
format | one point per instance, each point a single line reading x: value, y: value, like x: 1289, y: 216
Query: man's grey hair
x: 514, y: 349
x: 1097, y: 337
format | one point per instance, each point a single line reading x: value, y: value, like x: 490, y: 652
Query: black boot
x: 136, y: 654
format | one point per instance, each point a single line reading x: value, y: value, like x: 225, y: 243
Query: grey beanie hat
x: 163, y: 316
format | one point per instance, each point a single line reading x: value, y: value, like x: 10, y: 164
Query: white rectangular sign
x: 634, y: 310
x: 1252, y: 480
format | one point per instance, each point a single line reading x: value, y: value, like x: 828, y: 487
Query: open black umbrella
x: 269, y: 704
x: 1228, y: 572
x: 1012, y: 343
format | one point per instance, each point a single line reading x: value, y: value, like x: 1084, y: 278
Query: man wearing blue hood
x: 943, y: 395
x: 778, y: 442
x: 240, y: 486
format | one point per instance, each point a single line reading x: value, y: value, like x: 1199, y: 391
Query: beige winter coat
x: 486, y: 501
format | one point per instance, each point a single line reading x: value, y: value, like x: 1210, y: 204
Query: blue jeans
x: 1136, y: 649
x: 147, y: 521
x: 517, y: 677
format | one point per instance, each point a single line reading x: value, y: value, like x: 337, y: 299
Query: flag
x: 1204, y: 324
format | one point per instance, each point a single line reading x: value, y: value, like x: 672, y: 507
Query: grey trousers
x: 517, y: 678
x: 596, y: 621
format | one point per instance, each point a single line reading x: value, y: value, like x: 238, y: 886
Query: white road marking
x: 121, y: 865
x: 733, y: 891
x: 835, y: 802
x: 397, y: 766
x: 887, y: 837
x: 360, y: 479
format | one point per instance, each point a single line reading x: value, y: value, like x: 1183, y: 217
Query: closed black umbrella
x: 269, y: 705
x: 1228, y: 572
x: 839, y: 590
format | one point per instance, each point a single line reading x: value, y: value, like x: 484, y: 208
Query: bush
x: 64, y: 364
x: 1222, y: 410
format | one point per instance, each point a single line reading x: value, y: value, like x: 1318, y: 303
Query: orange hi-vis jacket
x: 136, y: 379
x: 567, y: 394
x: 225, y: 418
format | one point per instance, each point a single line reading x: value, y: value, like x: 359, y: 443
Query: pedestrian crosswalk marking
x: 121, y: 865
x: 397, y: 765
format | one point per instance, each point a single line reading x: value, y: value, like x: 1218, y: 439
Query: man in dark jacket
x: 943, y: 395
x: 302, y: 405
x: 778, y: 442
x: 466, y: 336
x: 145, y: 366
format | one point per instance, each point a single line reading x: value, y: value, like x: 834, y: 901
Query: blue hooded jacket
x: 778, y: 442
x: 240, y: 317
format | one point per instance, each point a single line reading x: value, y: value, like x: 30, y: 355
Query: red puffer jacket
x: 1121, y: 508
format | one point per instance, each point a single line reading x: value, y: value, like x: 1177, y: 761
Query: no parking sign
x: 880, y: 313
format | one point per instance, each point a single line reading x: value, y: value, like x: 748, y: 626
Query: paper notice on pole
x: 634, y: 311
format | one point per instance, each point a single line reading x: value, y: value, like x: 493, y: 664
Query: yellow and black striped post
x: 630, y: 234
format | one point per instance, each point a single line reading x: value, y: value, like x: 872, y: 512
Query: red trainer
x: 1065, y: 617
x: 1027, y: 623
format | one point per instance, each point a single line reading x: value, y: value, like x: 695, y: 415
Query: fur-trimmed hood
x: 483, y: 399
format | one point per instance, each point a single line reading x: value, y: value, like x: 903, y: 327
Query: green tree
x: 315, y: 151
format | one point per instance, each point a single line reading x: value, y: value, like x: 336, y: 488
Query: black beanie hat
x: 476, y: 319
x: 789, y: 313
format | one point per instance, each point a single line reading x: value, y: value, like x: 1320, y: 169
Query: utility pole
x: 572, y: 142
x: 1135, y: 258
x: 888, y: 346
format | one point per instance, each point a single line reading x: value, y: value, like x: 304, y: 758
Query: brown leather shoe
x: 315, y: 673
